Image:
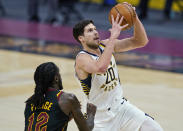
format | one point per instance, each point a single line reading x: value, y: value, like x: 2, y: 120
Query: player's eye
x: 90, y: 30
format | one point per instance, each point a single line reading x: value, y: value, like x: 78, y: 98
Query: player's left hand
x: 91, y: 109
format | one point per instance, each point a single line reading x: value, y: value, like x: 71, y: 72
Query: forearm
x: 105, y: 58
x: 88, y: 123
x: 140, y: 35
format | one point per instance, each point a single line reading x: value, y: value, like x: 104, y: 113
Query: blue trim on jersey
x: 86, y: 84
x: 100, y: 48
x: 149, y: 116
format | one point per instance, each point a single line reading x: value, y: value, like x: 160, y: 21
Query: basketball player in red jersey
x: 49, y: 108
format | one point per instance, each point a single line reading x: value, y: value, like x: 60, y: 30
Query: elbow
x: 102, y: 69
x: 146, y: 41
x: 143, y: 42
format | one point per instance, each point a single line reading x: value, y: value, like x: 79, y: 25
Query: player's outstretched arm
x: 138, y: 40
x: 70, y: 105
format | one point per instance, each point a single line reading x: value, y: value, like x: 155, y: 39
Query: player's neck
x: 55, y: 86
x: 93, y: 51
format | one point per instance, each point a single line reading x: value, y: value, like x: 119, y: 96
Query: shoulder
x: 69, y: 97
x: 82, y: 58
x: 68, y: 102
x: 72, y: 101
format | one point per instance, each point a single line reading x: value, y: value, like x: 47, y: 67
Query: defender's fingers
x: 121, y: 20
x: 88, y: 105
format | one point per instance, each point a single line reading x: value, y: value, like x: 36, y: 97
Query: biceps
x: 88, y: 64
x: 91, y: 67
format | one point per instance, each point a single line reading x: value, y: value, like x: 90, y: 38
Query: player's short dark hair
x: 44, y: 78
x: 79, y: 28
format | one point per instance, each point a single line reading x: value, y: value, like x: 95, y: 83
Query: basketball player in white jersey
x: 97, y: 72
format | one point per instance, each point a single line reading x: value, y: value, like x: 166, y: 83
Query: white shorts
x: 128, y: 118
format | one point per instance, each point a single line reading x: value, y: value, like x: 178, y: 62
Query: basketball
x: 126, y: 10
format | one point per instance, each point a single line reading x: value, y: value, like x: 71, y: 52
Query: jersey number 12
x: 42, y: 119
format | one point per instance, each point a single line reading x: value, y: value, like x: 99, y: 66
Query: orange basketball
x: 126, y: 10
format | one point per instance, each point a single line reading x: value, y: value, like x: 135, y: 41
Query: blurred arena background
x: 152, y: 76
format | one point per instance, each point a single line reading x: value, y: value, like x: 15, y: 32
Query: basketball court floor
x: 157, y: 93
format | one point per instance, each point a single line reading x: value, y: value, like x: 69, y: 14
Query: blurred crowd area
x: 62, y: 11
x: 45, y: 27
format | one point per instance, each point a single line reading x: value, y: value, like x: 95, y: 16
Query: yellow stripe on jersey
x: 85, y: 87
x: 58, y: 94
x: 103, y: 46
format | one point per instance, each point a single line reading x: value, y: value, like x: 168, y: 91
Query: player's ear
x: 80, y: 38
x: 56, y: 78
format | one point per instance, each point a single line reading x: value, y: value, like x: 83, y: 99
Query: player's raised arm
x: 139, y: 38
x: 89, y: 65
x: 71, y: 106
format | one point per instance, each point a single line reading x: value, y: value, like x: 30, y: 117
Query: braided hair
x: 44, y: 78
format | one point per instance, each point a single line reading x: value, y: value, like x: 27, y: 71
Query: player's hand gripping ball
x: 126, y: 10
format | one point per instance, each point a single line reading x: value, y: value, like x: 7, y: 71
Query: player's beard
x: 92, y: 46
x: 60, y: 84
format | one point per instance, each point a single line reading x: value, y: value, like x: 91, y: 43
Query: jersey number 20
x: 110, y: 75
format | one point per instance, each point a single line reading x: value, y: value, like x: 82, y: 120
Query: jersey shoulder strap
x: 102, y: 45
x: 59, y: 94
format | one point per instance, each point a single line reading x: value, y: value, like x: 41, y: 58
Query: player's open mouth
x: 97, y: 38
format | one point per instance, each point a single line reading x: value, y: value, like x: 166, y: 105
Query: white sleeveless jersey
x: 103, y: 90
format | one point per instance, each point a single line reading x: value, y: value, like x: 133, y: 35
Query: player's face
x: 91, y: 36
x: 59, y: 80
x: 60, y: 83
